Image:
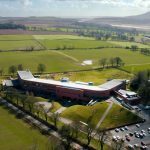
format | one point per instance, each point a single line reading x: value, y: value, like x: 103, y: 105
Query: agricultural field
x: 127, y: 56
x: 19, y: 45
x: 95, y: 76
x: 58, y: 37
x: 18, y: 42
x: 54, y: 62
x: 74, y: 44
x: 15, y: 37
x: 15, y: 134
x: 129, y: 44
x: 136, y: 68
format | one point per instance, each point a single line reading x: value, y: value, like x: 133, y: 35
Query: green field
x: 16, y: 37
x: 17, y: 135
x: 118, y: 116
x: 30, y: 60
x: 82, y: 113
x: 74, y: 43
x: 136, y: 68
x: 57, y: 37
x: 129, y: 44
x: 95, y: 76
x: 19, y: 45
x: 127, y: 56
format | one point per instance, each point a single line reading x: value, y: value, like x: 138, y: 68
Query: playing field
x: 129, y: 44
x: 17, y: 135
x: 96, y: 76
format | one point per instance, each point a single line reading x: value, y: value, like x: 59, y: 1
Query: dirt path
x: 68, y: 56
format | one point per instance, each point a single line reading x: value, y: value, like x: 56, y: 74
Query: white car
x: 143, y: 131
x: 117, y: 130
x: 126, y: 128
x: 148, y: 129
x: 137, y: 125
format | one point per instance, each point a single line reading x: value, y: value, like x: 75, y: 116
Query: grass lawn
x: 30, y: 60
x: 82, y: 113
x: 17, y: 135
x: 136, y: 68
x: 118, y: 116
x: 127, y: 56
x: 95, y: 76
x: 124, y: 44
x: 74, y: 43
x: 19, y: 45
x: 57, y: 37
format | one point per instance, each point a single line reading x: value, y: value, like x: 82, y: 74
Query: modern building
x: 128, y: 96
x: 67, y: 89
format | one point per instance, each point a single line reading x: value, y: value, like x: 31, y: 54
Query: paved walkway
x: 105, y: 114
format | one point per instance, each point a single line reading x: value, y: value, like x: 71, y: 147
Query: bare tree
x: 103, y: 136
x: 118, y: 145
x: 55, y: 118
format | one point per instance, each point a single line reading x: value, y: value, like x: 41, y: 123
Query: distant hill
x: 139, y: 21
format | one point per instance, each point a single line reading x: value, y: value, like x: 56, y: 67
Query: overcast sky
x: 73, y: 8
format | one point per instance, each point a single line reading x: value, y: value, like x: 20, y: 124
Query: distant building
x: 129, y: 96
x: 67, y: 89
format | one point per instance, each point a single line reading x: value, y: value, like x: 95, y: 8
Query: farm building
x: 67, y: 89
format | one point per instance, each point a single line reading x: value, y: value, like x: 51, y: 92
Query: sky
x: 73, y: 8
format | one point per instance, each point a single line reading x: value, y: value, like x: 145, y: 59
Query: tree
x: 20, y: 67
x: 12, y: 69
x: 67, y: 134
x: 112, y: 61
x: 55, y: 118
x: 41, y: 68
x: 30, y: 102
x: 1, y: 71
x: 102, y: 62
x: 134, y: 47
x: 118, y: 145
x: 144, y: 92
x: 118, y: 61
x: 103, y: 136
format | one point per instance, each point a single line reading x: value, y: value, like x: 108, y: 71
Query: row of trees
x: 69, y: 132
x: 113, y: 62
x: 145, y: 51
x: 141, y: 83
x: 11, y: 26
x: 13, y: 69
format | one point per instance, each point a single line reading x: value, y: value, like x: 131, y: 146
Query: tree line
x: 141, y: 84
x: 113, y: 62
x: 11, y: 26
x: 14, y: 68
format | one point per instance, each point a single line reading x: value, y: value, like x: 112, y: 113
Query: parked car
x: 117, y: 130
x: 142, y: 143
x: 137, y: 125
x: 131, y: 134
